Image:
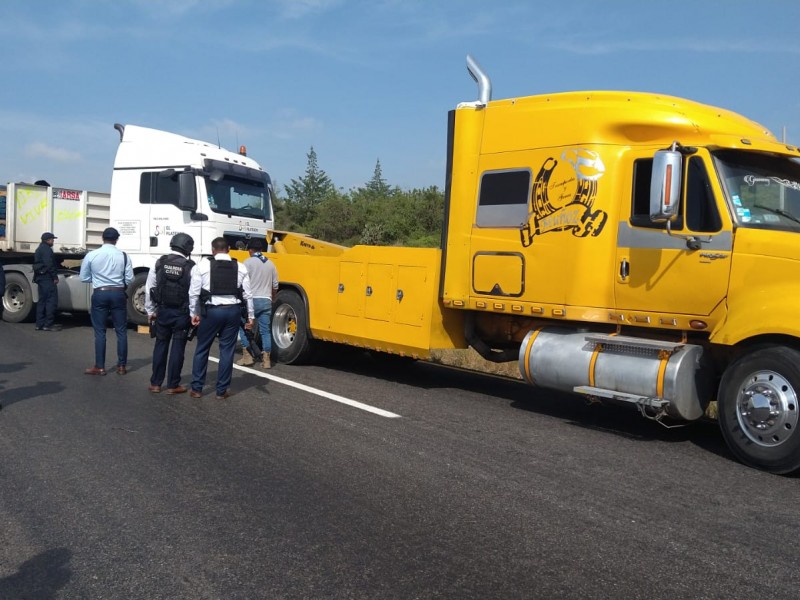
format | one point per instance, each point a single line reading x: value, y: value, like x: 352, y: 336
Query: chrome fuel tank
x: 565, y: 359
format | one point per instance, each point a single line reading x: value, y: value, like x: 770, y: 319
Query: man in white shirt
x: 218, y: 287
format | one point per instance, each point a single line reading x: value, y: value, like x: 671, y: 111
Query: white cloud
x: 297, y: 9
x: 158, y: 9
x: 718, y: 46
x: 289, y: 124
x: 40, y: 150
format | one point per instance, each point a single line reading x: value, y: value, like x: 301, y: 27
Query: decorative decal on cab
x: 563, y: 195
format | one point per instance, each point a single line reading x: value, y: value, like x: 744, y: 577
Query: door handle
x: 624, y: 269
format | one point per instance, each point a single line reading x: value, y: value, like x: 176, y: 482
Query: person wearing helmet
x: 167, y: 304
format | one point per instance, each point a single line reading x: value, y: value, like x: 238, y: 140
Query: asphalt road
x: 481, y: 487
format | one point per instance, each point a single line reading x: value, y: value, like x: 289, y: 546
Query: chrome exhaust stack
x: 482, y: 79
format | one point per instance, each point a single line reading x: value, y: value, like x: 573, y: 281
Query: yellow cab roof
x: 620, y: 118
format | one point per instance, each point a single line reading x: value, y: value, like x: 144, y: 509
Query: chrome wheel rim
x: 766, y: 408
x: 138, y: 299
x: 284, y: 326
x: 15, y: 298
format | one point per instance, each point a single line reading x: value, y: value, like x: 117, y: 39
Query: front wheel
x: 18, y: 299
x: 290, y: 339
x: 136, y: 311
x: 758, y: 409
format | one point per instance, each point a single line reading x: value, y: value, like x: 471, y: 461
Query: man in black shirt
x: 45, y: 275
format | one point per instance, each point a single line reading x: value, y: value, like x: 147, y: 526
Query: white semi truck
x: 162, y: 184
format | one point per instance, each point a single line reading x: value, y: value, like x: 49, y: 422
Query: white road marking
x: 311, y: 390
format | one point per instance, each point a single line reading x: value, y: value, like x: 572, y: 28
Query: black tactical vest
x: 224, y: 277
x: 173, y: 274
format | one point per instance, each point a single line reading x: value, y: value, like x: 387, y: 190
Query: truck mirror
x: 187, y: 191
x: 665, y: 186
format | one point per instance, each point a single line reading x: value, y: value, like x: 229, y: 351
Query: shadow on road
x: 13, y: 367
x: 40, y: 577
x: 616, y: 420
x: 13, y: 395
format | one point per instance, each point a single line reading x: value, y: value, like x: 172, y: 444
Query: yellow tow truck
x: 630, y: 247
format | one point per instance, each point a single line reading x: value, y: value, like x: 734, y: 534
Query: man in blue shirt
x: 109, y: 271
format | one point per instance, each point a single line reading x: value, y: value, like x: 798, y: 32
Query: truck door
x: 159, y: 196
x: 685, y: 273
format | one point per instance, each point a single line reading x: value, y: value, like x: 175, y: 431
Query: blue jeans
x: 112, y: 303
x: 48, y: 301
x: 262, y: 307
x: 172, y: 325
x: 222, y: 320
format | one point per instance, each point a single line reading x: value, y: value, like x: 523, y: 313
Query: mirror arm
x: 692, y: 242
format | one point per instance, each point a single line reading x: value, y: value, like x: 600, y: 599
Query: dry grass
x: 469, y: 359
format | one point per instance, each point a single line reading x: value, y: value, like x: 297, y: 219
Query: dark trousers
x: 172, y: 325
x: 112, y: 303
x: 48, y: 301
x: 222, y: 320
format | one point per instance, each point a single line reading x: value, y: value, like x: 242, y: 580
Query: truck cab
x: 165, y: 183
x: 587, y: 231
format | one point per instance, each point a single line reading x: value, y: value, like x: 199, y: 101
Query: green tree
x: 337, y: 220
x: 377, y: 186
x: 283, y: 221
x: 303, y: 195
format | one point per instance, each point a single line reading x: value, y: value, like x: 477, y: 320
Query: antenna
x: 219, y: 145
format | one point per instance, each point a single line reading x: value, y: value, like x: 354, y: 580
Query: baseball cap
x: 48, y: 236
x: 109, y: 233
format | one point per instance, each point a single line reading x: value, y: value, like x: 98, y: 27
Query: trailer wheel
x: 758, y: 409
x: 136, y: 312
x: 290, y: 339
x: 18, y: 301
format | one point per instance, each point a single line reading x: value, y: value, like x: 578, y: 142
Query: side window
x: 640, y: 197
x: 701, y: 210
x: 158, y: 190
x: 503, y: 198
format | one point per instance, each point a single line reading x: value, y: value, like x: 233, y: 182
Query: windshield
x: 239, y: 197
x: 763, y: 189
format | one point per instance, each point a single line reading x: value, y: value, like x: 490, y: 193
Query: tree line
x: 374, y: 214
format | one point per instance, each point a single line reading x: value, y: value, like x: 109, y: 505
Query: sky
x: 359, y: 81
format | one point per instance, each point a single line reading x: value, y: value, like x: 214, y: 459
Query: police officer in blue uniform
x: 45, y: 275
x: 167, y: 304
x: 218, y: 288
